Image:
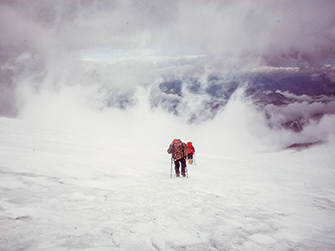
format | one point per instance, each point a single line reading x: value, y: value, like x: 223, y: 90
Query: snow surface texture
x: 67, y: 191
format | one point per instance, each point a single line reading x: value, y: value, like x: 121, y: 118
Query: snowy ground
x: 65, y: 191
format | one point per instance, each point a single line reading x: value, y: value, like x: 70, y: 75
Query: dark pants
x: 183, y: 165
x: 190, y: 156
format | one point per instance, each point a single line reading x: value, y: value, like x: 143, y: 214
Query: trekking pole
x: 186, y: 169
x: 171, y: 167
x: 195, y: 163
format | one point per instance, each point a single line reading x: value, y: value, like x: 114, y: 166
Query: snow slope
x: 73, y: 191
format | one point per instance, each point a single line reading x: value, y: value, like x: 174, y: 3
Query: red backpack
x: 190, y: 148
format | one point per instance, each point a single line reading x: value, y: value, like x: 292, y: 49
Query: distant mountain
x: 289, y: 97
x: 298, y: 96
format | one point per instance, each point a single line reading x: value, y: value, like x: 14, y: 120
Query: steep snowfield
x: 66, y: 191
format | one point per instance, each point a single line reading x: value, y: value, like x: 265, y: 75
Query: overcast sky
x: 269, y: 32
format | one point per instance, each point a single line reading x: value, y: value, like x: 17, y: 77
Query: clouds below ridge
x: 128, y: 44
x: 42, y: 41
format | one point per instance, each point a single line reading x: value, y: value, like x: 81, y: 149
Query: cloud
x: 144, y: 43
x: 232, y: 32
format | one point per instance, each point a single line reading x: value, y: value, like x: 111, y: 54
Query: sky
x: 274, y: 32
